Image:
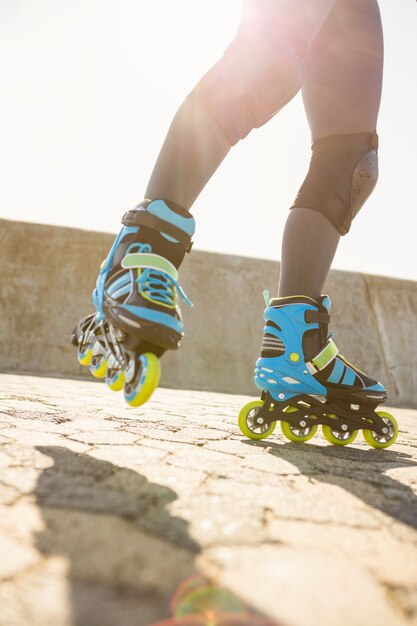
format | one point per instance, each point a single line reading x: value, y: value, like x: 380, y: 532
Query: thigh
x: 343, y: 72
x: 274, y: 19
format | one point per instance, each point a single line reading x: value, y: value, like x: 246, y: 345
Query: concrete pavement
x: 105, y: 511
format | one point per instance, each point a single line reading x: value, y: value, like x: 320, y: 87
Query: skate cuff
x: 149, y: 261
x: 143, y: 218
x: 322, y: 360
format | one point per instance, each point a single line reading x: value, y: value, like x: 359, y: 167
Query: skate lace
x: 160, y: 287
x: 157, y: 285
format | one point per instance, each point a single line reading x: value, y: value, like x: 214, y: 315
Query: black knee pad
x: 343, y: 173
x: 253, y: 80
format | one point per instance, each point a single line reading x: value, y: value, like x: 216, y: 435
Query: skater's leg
x: 343, y: 79
x: 193, y: 149
x: 309, y: 244
x: 305, y: 382
x: 341, y: 92
x: 260, y: 72
x: 136, y: 297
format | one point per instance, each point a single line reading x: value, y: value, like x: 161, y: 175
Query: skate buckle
x: 311, y: 368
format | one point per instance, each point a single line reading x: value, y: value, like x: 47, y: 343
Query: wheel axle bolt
x: 385, y: 431
x: 303, y: 424
x: 260, y: 420
x: 344, y: 427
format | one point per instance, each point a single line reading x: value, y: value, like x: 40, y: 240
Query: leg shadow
x: 126, y: 553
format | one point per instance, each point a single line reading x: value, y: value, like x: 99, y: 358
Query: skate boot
x: 137, y: 315
x: 305, y: 382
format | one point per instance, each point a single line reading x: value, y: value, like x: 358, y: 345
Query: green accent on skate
x: 377, y: 441
x: 265, y: 294
x: 136, y: 260
x: 246, y: 423
x: 337, y: 438
x: 327, y: 355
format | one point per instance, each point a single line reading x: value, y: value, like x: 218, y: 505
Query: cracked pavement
x: 106, y: 510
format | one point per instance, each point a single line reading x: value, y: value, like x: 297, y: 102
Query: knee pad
x: 343, y: 173
x: 252, y: 81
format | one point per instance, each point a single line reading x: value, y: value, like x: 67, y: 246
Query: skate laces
x: 157, y: 277
x: 160, y: 287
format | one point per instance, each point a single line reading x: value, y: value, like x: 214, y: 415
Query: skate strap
x: 317, y: 317
x: 136, y: 260
x: 326, y: 356
x: 143, y: 218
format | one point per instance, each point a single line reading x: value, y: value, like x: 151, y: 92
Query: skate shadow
x: 360, y: 472
x: 126, y: 553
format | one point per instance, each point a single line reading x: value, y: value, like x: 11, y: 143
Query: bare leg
x: 341, y: 93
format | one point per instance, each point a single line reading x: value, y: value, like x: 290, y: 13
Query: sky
x: 88, y: 89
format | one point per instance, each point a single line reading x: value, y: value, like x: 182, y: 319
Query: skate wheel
x: 115, y: 382
x: 298, y: 434
x: 247, y: 422
x: 376, y: 440
x: 84, y: 355
x: 98, y: 366
x: 145, y: 381
x: 337, y: 437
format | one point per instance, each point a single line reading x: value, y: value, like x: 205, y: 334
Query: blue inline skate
x: 305, y: 382
x: 137, y: 315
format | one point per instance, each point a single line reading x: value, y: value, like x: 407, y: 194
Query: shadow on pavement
x: 126, y: 554
x: 360, y: 472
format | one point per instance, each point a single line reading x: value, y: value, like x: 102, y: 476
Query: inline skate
x: 137, y: 315
x: 305, y: 382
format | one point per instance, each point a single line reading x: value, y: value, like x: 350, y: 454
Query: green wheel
x: 115, y: 376
x: 115, y: 381
x: 298, y: 434
x: 98, y: 366
x: 248, y: 425
x: 337, y: 437
x: 375, y: 440
x: 98, y: 361
x: 84, y: 355
x: 147, y: 380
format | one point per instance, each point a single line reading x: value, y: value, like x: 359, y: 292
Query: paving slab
x: 117, y: 516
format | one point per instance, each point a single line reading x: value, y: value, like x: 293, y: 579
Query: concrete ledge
x: 48, y: 273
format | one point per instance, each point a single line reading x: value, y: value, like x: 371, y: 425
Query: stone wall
x: 48, y: 273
